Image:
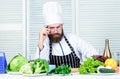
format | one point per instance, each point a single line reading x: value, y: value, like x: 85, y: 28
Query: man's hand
x: 42, y: 36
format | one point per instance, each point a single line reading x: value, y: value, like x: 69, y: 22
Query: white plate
x: 34, y: 75
x: 59, y: 74
x: 14, y: 73
x: 75, y: 73
x: 104, y: 74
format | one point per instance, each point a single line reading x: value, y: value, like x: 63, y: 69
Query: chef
x: 58, y: 47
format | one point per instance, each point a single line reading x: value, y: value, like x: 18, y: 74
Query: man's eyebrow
x: 46, y: 26
x: 59, y: 25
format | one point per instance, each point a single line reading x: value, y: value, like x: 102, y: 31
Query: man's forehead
x: 54, y: 25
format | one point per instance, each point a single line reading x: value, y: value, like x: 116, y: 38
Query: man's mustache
x: 55, y: 34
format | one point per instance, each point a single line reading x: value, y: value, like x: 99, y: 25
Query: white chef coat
x: 82, y: 49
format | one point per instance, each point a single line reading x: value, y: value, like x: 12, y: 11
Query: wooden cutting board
x: 74, y: 70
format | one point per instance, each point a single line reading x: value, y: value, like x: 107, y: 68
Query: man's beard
x: 55, y: 38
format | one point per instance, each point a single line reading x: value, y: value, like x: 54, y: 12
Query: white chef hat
x: 52, y: 13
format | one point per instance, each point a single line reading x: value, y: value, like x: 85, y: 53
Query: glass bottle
x: 107, y: 52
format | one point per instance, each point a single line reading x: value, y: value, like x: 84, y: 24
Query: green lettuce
x: 90, y: 66
x: 16, y: 63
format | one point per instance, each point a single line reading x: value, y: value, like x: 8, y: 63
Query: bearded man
x: 58, y: 47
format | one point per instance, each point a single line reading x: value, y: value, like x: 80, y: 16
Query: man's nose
x: 55, y: 30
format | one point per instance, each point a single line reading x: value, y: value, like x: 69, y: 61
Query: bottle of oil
x: 107, y: 52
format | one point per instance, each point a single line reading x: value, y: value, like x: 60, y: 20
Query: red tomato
x: 116, y: 69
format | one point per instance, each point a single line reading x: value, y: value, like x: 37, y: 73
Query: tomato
x: 116, y: 69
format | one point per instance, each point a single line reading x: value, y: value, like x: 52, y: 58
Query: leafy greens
x: 90, y: 66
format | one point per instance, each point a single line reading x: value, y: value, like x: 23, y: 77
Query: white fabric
x: 52, y: 13
x: 79, y: 45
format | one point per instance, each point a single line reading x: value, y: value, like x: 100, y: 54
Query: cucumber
x: 106, y: 70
